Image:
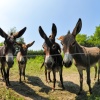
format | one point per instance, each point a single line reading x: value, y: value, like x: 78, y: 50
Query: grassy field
x: 36, y: 88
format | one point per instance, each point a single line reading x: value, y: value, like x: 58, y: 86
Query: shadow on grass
x: 94, y: 96
x: 24, y: 90
x: 74, y: 88
x: 96, y: 92
x: 36, y: 81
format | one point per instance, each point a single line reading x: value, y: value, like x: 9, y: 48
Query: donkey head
x: 49, y: 46
x: 23, y: 50
x: 69, y: 44
x: 9, y: 45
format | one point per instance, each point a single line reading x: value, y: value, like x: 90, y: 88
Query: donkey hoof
x: 90, y: 92
x: 20, y: 82
x: 63, y: 87
x: 7, y: 87
x: 9, y: 84
x: 53, y: 90
x: 50, y: 80
x: 79, y: 92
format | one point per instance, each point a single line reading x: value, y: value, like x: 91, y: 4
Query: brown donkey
x: 22, y: 58
x: 53, y: 59
x: 84, y: 57
x: 7, y: 52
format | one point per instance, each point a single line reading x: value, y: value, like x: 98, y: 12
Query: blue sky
x: 35, y: 13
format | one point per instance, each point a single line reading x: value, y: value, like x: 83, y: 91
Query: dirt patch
x: 36, y: 88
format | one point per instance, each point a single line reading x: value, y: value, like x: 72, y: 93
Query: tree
x: 1, y: 44
x: 82, y: 39
x: 90, y: 41
x: 97, y: 36
x: 12, y: 30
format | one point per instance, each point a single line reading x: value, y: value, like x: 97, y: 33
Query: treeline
x: 33, y: 54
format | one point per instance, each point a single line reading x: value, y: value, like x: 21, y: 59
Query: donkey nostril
x: 49, y: 63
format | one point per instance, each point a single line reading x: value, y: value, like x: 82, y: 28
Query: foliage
x: 82, y: 39
x: 33, y: 54
x: 12, y: 30
x: 1, y: 44
x: 90, y: 41
x: 97, y: 36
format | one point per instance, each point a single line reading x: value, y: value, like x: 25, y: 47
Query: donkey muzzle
x: 49, y: 62
x: 22, y: 60
x: 9, y: 59
x: 67, y: 60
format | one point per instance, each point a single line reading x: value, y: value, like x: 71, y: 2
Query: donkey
x: 7, y: 52
x: 53, y: 59
x: 22, y: 58
x: 84, y: 57
x: 57, y: 48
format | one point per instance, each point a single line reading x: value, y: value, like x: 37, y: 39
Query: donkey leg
x: 19, y: 74
x: 61, y: 78
x: 8, y: 76
x: 81, y: 80
x: 88, y: 79
x: 24, y: 72
x: 98, y: 70
x: 46, y: 75
x: 2, y: 73
x: 54, y: 78
x: 5, y: 76
x: 95, y: 67
x: 49, y: 76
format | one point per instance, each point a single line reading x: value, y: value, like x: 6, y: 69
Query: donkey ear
x: 42, y: 33
x: 60, y: 38
x: 77, y: 28
x: 20, y: 33
x: 30, y: 44
x: 54, y: 30
x: 3, y: 34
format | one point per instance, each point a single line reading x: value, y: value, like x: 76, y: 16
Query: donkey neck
x: 80, y: 54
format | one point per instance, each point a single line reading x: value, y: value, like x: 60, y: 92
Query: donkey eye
x: 53, y: 46
x: 61, y: 43
x: 73, y: 43
x: 43, y: 47
x: 49, y: 36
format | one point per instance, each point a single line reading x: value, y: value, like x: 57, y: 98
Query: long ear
x: 77, y: 28
x: 3, y: 34
x: 20, y: 33
x: 30, y: 44
x: 54, y: 30
x: 60, y: 38
x: 42, y: 33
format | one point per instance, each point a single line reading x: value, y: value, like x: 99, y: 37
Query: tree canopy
x: 89, y: 41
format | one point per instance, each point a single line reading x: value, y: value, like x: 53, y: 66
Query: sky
x: 35, y: 13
